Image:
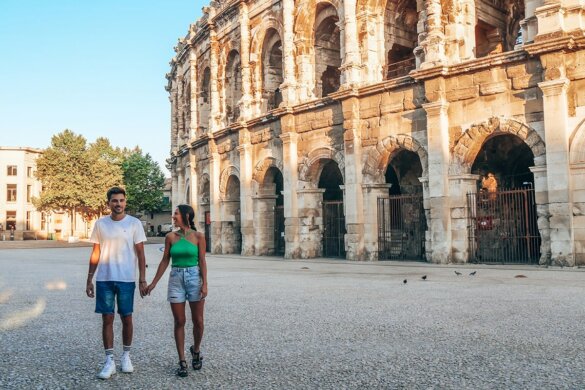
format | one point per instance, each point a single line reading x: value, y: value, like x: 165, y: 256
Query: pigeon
x: 424, y: 277
x: 404, y: 281
x: 457, y: 273
x: 473, y: 273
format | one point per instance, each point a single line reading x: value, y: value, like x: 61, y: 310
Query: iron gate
x: 333, y: 229
x: 208, y: 231
x: 401, y: 228
x: 503, y: 227
x: 279, y: 231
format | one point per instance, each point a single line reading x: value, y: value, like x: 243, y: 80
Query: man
x: 118, y: 243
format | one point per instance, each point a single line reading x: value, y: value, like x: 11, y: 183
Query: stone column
x: 215, y: 205
x: 306, y: 70
x: 371, y: 193
x: 433, y: 42
x: 194, y: 125
x: 174, y: 118
x: 246, y: 201
x: 459, y: 187
x: 438, y: 150
x: 180, y: 112
x: 542, y: 213
x: 353, y: 198
x: 351, y: 61
x: 310, y: 202
x: 557, y: 133
x: 244, y: 103
x: 174, y: 187
x: 264, y: 206
x: 290, y: 176
x: 529, y: 24
x: 215, y: 114
x: 288, y: 87
x: 372, y: 46
x: 180, y: 182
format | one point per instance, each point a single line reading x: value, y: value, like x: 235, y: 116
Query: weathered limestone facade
x: 285, y: 111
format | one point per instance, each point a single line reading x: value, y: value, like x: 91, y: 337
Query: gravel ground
x: 300, y: 324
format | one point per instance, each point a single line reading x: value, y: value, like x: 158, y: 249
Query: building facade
x: 445, y: 131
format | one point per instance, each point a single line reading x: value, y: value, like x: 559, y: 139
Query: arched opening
x: 231, y: 220
x: 400, y: 38
x: 269, y: 212
x: 503, y: 211
x: 334, y: 230
x: 205, y: 211
x: 233, y: 86
x: 401, y: 216
x: 272, y: 70
x: 498, y: 26
x: 327, y: 51
x: 204, y: 102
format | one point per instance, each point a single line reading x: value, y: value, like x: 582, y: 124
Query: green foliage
x: 144, y: 182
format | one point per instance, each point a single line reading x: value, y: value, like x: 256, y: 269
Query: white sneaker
x: 108, y: 370
x: 127, y: 363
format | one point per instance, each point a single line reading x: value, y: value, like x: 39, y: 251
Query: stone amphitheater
x: 446, y: 131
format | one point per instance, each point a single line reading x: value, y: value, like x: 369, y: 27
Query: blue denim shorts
x: 108, y: 292
x: 184, y: 285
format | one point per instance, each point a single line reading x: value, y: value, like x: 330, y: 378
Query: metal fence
x: 503, y: 227
x: 333, y: 229
x: 401, y: 228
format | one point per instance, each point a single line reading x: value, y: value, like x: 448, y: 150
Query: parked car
x: 164, y: 229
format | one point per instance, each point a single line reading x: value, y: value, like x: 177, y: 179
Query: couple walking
x: 118, y: 244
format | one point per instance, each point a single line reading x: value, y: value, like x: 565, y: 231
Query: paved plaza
x: 281, y: 324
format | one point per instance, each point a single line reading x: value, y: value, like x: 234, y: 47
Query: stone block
x: 462, y: 94
x: 523, y: 82
x: 494, y: 88
x: 516, y: 70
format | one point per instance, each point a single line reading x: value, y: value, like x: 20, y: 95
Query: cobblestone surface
x: 295, y: 324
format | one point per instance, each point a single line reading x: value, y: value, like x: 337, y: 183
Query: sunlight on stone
x: 20, y: 318
x: 56, y: 285
x: 5, y: 295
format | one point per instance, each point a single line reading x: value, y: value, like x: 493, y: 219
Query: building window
x: 11, y: 192
x: 28, y: 220
x: 10, y: 220
x: 11, y: 171
x: 29, y: 172
x: 28, y: 193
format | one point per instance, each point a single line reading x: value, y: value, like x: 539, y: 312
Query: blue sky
x: 95, y: 67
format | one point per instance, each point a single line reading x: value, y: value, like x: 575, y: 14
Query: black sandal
x: 197, y: 361
x: 182, y: 370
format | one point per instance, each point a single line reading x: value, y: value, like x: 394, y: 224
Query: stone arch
x: 577, y: 145
x: 310, y: 166
x: 223, y: 179
x: 470, y: 142
x: 305, y: 19
x: 263, y: 166
x: 378, y: 157
x: 259, y: 34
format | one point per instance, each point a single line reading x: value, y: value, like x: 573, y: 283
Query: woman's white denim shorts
x: 184, y: 285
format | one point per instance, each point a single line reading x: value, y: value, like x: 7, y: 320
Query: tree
x: 62, y: 170
x: 144, y: 182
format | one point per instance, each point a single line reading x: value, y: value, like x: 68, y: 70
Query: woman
x: 187, y: 282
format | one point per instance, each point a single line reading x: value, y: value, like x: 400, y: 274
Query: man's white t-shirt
x: 117, y: 253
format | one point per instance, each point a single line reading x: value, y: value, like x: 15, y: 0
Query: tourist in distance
x: 118, y: 244
x: 187, y: 282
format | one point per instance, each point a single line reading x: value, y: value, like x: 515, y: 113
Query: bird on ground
x: 424, y: 277
x: 473, y: 273
x: 404, y: 281
x: 457, y: 273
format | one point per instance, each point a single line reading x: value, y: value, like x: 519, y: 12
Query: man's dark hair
x: 115, y: 191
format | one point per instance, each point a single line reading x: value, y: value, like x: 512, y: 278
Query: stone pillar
x: 244, y: 103
x: 306, y: 70
x: 194, y: 125
x: 371, y: 193
x: 180, y: 112
x: 310, y: 202
x: 529, y: 24
x: 174, y: 117
x: 372, y: 46
x: 459, y: 187
x: 353, y: 197
x: 557, y: 133
x: 460, y: 32
x: 215, y: 114
x: 288, y: 87
x: 438, y: 150
x: 174, y: 187
x: 264, y: 206
x: 350, y: 67
x: 215, y: 205
x: 433, y: 42
x: 180, y: 181
x: 542, y: 213
x: 246, y: 201
x: 290, y: 176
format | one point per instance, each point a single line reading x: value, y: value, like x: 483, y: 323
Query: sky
x: 94, y: 67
